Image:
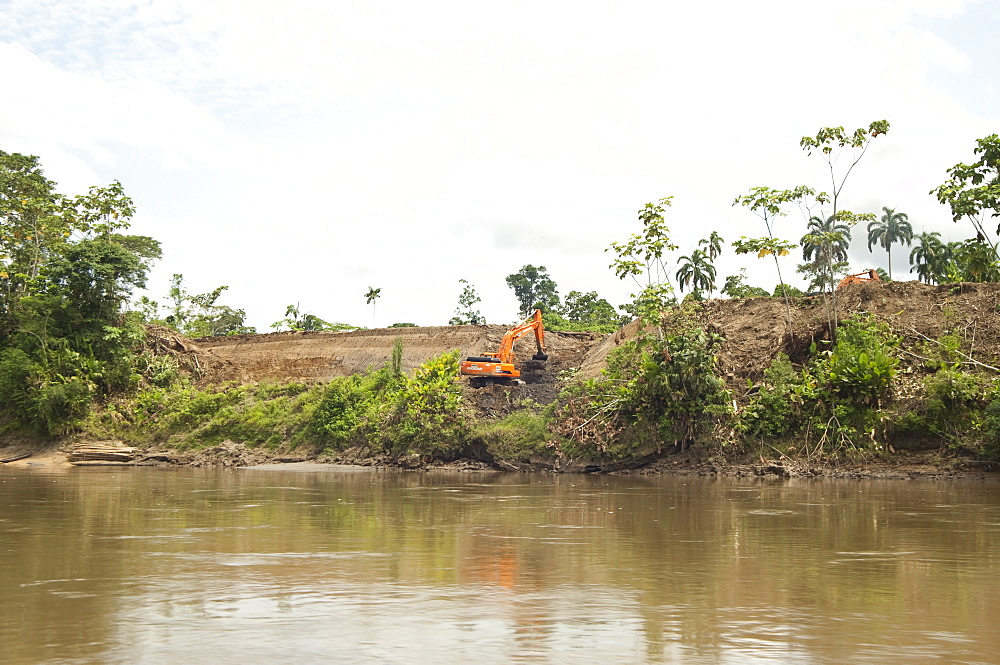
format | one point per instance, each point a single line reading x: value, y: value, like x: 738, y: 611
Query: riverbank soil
x: 752, y: 331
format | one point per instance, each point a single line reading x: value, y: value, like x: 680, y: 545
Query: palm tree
x: 929, y: 257
x: 697, y: 272
x: 825, y: 244
x: 893, y: 227
x: 713, y: 245
x: 370, y: 298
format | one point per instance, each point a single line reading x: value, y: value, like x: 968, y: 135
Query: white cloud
x: 305, y: 151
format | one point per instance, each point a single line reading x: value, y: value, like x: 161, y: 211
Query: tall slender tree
x: 893, y: 227
x: 712, y: 245
x: 371, y: 296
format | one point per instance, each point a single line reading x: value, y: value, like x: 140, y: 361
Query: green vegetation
x: 295, y: 319
x: 384, y: 412
x: 466, y: 314
x: 74, y: 357
x: 195, y: 315
x: 535, y: 289
x: 67, y: 272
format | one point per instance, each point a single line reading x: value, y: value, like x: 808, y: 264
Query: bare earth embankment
x: 753, y: 333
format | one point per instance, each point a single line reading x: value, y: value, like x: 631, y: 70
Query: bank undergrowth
x: 856, y: 397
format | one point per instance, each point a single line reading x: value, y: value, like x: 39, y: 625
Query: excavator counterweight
x: 501, y: 367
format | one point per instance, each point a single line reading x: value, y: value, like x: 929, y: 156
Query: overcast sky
x: 302, y: 152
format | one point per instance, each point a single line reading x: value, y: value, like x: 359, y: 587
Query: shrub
x: 863, y: 363
x: 425, y: 417
x: 518, y: 436
x: 668, y: 382
x: 782, y: 405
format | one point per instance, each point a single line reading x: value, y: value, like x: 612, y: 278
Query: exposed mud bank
x: 905, y: 465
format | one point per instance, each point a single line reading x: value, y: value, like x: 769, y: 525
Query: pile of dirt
x: 753, y: 331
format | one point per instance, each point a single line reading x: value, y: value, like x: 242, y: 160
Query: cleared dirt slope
x: 753, y: 330
x: 320, y: 356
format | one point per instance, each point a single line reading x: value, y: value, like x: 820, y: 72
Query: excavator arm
x: 532, y: 323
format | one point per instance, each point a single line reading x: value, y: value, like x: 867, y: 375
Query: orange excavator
x: 860, y: 278
x: 501, y: 367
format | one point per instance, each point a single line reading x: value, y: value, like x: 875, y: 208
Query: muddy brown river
x: 299, y: 565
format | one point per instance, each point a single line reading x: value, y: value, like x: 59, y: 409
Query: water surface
x: 139, y: 565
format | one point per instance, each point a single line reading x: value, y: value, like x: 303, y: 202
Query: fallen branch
x: 969, y: 360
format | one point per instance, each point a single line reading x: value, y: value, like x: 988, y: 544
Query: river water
x: 141, y: 565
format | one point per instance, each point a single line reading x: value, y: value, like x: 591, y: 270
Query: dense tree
x: 66, y: 275
x: 929, y: 257
x: 893, y: 227
x: 974, y: 261
x: 588, y: 311
x: 534, y: 289
x: 34, y: 226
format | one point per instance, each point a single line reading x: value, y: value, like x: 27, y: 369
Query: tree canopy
x: 534, y: 289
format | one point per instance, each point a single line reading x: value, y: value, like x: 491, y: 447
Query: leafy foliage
x: 973, y: 189
x: 736, y: 287
x: 465, y: 313
x: 863, y: 362
x: 425, y: 416
x: 669, y: 384
x: 643, y: 258
x: 534, y: 289
x: 782, y: 405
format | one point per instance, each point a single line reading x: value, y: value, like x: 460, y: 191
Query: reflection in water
x: 136, y: 565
